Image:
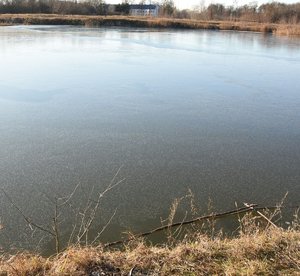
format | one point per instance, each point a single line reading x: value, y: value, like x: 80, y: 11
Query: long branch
x: 27, y: 219
x: 249, y: 208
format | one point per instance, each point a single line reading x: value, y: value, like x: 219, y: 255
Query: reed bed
x: 147, y: 22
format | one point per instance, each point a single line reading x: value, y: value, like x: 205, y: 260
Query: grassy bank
x: 270, y: 252
x: 144, y: 22
x: 258, y: 246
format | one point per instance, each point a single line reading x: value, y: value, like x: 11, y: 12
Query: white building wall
x: 144, y: 12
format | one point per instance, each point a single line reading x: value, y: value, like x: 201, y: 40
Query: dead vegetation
x: 289, y: 30
x: 147, y: 22
x: 270, y: 252
x: 258, y: 247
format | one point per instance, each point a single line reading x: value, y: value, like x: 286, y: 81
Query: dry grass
x: 290, y: 30
x: 146, y: 22
x: 271, y: 252
x: 260, y: 247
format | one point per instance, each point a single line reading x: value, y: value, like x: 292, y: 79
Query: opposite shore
x: 147, y: 22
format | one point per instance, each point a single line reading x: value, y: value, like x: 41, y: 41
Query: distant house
x: 144, y: 10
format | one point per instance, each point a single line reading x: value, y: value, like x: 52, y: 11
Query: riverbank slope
x: 269, y: 252
x: 146, y: 22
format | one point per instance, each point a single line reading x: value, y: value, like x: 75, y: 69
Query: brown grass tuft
x: 269, y: 252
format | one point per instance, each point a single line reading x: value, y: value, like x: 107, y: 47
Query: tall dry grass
x: 260, y: 248
x: 147, y: 22
x: 272, y: 252
x: 288, y: 30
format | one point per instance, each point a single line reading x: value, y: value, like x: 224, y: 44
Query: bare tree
x: 84, y: 218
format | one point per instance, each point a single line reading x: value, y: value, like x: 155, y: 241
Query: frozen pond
x: 214, y: 112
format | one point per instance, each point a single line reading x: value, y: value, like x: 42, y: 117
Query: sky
x: 188, y: 4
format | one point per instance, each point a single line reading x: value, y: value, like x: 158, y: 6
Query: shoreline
x: 147, y: 22
x: 260, y: 246
x: 271, y: 251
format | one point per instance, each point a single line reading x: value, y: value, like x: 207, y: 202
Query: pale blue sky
x: 183, y: 4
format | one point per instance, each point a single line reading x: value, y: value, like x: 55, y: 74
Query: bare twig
x: 179, y: 228
x: 55, y: 228
x: 261, y: 214
x: 279, y: 207
x: 250, y: 208
x: 84, y: 219
x: 166, y: 227
x: 31, y: 223
x: 73, y: 231
x: 69, y: 197
x: 90, y: 211
x: 104, y: 227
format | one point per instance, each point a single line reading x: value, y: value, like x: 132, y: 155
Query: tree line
x: 90, y: 7
x: 87, y: 7
x: 274, y: 12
